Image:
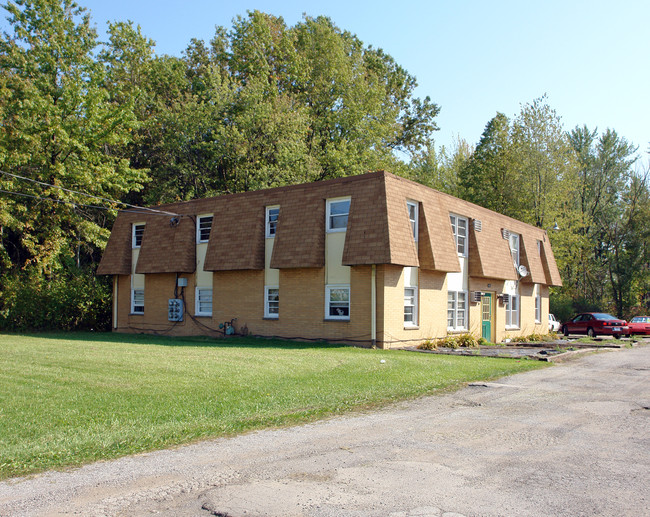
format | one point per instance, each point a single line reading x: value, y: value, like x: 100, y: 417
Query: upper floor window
x: 337, y: 214
x: 203, y: 227
x: 136, y: 236
x: 459, y: 227
x: 539, y: 248
x: 272, y: 214
x: 514, y: 248
x: 412, y: 208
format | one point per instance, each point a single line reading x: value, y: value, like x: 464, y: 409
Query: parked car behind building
x: 639, y: 325
x: 594, y: 324
x: 553, y: 323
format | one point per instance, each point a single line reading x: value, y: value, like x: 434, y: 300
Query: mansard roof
x: 378, y: 232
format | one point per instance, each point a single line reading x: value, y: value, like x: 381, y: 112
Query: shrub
x: 459, y: 341
x: 429, y: 344
x: 66, y: 300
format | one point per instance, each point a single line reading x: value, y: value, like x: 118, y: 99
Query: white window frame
x: 267, y: 305
x: 199, y: 220
x: 453, y: 298
x: 328, y: 300
x: 512, y: 313
x: 329, y: 215
x: 140, y: 299
x: 134, y: 227
x: 199, y: 293
x: 414, y: 306
x: 455, y: 227
x: 515, y: 242
x: 538, y: 305
x: 267, y: 224
x: 413, y: 217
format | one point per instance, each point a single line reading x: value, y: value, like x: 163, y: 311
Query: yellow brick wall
x: 240, y: 294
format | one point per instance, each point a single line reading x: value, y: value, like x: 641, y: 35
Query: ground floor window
x: 137, y: 301
x: 337, y: 302
x: 271, y: 302
x: 457, y: 310
x: 203, y: 301
x: 512, y: 311
x: 410, y: 306
x: 538, y: 308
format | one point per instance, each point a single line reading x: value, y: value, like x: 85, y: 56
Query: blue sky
x: 473, y: 58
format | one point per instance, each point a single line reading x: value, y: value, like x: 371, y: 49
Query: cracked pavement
x: 568, y: 440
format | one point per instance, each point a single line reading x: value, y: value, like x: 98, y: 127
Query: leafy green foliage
x: 72, y: 299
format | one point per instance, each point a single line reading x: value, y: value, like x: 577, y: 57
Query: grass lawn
x: 71, y: 398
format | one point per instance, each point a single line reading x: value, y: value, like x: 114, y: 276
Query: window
x: 412, y: 208
x: 137, y: 233
x: 512, y: 311
x: 457, y: 310
x: 137, y: 301
x: 203, y: 227
x: 459, y: 227
x: 538, y: 307
x: 539, y: 248
x: 337, y: 302
x: 271, y: 302
x: 410, y: 306
x: 272, y: 213
x: 514, y: 248
x: 337, y: 214
x: 203, y: 301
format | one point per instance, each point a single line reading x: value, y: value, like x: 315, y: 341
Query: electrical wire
x: 146, y: 209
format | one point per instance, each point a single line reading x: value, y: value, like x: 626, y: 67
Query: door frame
x: 492, y: 296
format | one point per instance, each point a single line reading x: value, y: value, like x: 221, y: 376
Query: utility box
x: 175, y: 309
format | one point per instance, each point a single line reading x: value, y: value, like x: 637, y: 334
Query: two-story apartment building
x: 372, y: 259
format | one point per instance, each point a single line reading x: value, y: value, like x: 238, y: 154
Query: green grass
x: 68, y: 399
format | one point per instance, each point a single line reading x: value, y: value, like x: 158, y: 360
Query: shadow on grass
x: 175, y: 341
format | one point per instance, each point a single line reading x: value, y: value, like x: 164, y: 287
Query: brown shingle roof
x: 167, y: 248
x: 379, y: 232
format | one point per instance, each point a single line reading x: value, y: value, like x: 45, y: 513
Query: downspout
x: 116, y: 283
x: 373, y: 306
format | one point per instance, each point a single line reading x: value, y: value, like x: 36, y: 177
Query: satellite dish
x: 523, y: 271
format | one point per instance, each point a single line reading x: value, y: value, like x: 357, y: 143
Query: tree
x: 608, y: 210
x: 489, y: 176
x: 58, y: 127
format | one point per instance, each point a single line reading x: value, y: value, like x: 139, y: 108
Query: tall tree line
x: 589, y: 190
x: 262, y: 104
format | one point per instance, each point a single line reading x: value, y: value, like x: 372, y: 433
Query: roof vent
x: 505, y: 233
x: 478, y: 225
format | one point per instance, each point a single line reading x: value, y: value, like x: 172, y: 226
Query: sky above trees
x: 473, y: 58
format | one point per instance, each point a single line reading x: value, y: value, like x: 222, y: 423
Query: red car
x: 639, y: 325
x: 596, y: 323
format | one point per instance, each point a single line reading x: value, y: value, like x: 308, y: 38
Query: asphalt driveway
x: 569, y: 440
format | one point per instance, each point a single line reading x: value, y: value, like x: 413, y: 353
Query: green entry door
x: 486, y: 306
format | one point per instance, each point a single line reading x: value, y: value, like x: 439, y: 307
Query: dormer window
x: 203, y: 228
x: 412, y: 208
x: 337, y: 214
x: 272, y: 214
x: 514, y: 248
x: 136, y: 235
x: 459, y: 228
